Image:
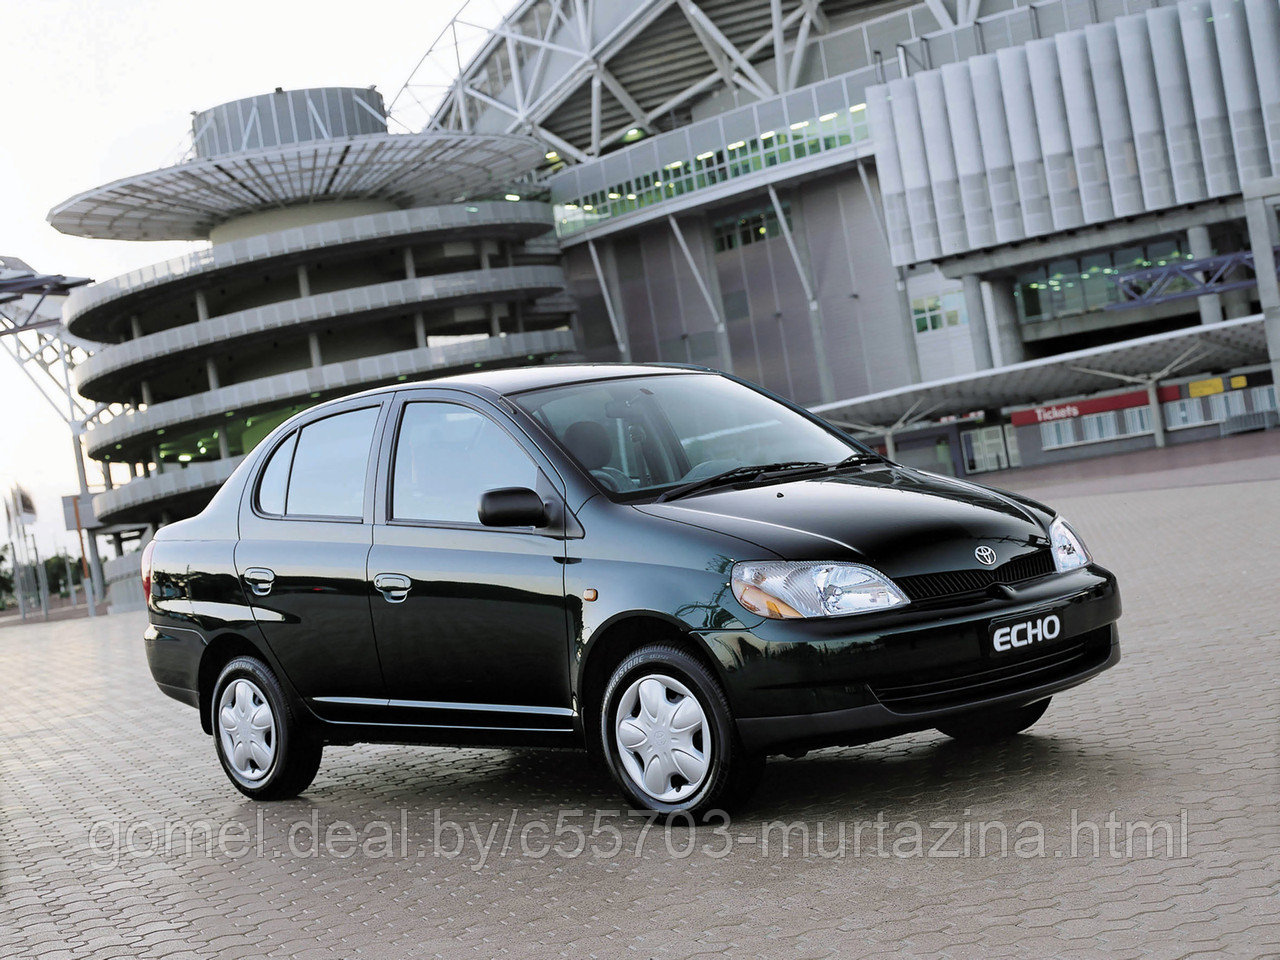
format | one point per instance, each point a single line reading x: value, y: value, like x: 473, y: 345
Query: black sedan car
x: 665, y: 565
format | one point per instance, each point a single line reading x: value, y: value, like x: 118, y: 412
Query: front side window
x: 330, y: 464
x: 447, y: 455
x: 641, y: 434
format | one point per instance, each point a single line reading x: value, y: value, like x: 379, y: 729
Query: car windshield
x: 639, y: 436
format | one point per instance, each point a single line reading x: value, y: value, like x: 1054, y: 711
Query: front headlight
x: 786, y: 591
x: 1069, y: 551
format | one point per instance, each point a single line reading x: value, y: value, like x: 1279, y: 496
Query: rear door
x: 305, y: 534
x: 480, y: 637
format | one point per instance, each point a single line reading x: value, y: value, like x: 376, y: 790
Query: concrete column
x: 495, y: 327
x: 304, y: 281
x: 155, y: 458
x: 313, y: 342
x: 135, y: 328
x: 106, y: 476
x: 978, y: 333
x: 202, y: 306
x: 224, y: 446
x: 1263, y: 232
x: 145, y: 389
x: 410, y: 270
x: 1201, y: 247
x: 1157, y: 413
x: 420, y: 330
x: 211, y: 371
x: 1002, y: 314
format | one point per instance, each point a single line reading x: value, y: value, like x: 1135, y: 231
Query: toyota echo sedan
x: 665, y: 565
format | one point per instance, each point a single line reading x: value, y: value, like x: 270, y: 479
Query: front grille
x: 949, y: 686
x: 930, y: 586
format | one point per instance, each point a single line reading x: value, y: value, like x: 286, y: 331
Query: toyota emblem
x: 986, y: 556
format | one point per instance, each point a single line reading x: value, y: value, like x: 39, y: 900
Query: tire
x: 987, y: 725
x: 665, y: 717
x: 263, y: 745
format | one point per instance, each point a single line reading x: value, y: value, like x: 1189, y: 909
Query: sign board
x: 1080, y: 408
x: 88, y: 520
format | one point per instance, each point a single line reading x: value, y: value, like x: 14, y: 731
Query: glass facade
x: 1077, y: 285
x: 688, y: 170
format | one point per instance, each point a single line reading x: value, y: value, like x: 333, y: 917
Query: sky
x: 96, y: 90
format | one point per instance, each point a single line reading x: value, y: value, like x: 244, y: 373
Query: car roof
x: 510, y: 380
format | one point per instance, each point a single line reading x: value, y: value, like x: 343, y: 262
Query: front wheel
x: 263, y: 746
x: 669, y: 737
x: 986, y: 725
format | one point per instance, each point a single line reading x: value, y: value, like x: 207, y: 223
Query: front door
x: 305, y: 534
x: 470, y: 620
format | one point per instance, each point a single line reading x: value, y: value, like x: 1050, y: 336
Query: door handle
x: 260, y: 580
x: 394, y: 587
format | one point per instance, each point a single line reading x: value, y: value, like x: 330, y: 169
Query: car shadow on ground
x: 898, y: 777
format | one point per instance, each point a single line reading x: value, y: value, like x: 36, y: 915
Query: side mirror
x: 513, y: 507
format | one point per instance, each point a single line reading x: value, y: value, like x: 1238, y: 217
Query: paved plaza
x: 1137, y: 819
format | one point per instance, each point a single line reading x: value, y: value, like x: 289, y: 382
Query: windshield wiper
x: 751, y: 472
x: 768, y: 470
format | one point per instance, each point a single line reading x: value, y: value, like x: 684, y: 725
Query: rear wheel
x: 994, y: 724
x: 264, y: 747
x: 668, y: 735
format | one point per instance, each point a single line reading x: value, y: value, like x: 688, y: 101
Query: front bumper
x: 809, y: 683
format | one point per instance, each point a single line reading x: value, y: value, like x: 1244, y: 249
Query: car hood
x: 900, y: 520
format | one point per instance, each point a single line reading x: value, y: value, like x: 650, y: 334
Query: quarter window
x: 447, y: 455
x: 330, y: 466
x: 275, y: 478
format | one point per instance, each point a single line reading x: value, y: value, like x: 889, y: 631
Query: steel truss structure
x: 1187, y: 278
x: 32, y: 334
x: 585, y: 75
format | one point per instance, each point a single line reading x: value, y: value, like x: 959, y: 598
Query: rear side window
x: 447, y: 456
x: 329, y: 464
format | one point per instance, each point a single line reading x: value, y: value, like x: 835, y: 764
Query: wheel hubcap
x: 663, y: 738
x: 247, y: 729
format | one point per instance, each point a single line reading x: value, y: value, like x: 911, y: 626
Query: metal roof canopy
x: 1231, y: 343
x: 185, y: 202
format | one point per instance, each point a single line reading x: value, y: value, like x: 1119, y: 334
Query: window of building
x: 1076, y: 285
x: 748, y: 227
x: 330, y: 465
x: 1057, y: 433
x: 1137, y: 420
x: 937, y: 313
x: 1192, y: 412
x: 1096, y: 427
x: 447, y: 455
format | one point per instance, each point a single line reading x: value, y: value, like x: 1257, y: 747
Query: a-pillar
x: 1201, y: 247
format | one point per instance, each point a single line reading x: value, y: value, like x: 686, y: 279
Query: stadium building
x: 982, y: 233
